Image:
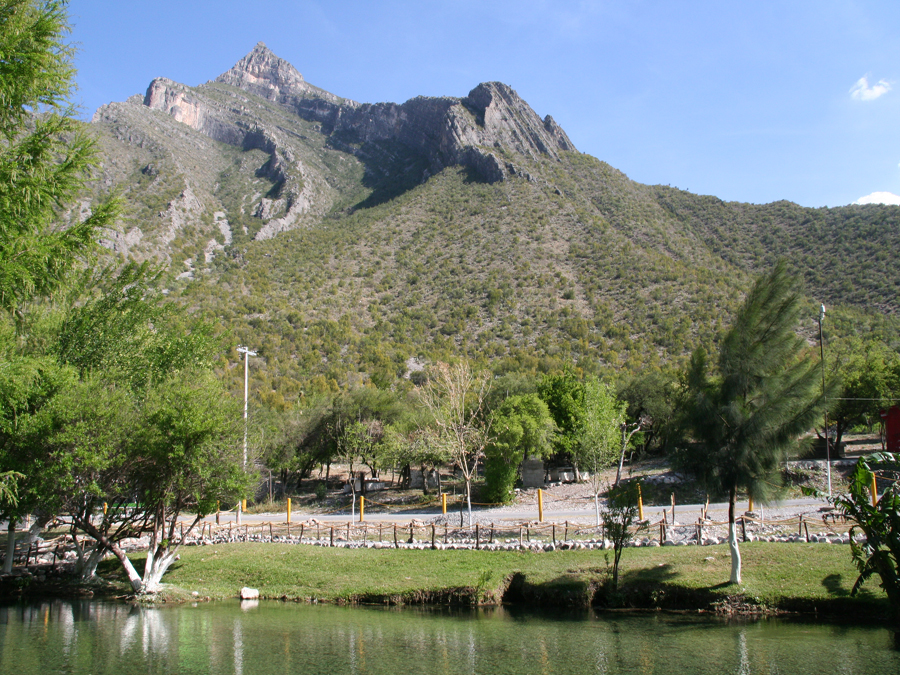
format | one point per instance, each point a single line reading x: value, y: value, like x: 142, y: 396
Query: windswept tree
x: 454, y: 397
x: 765, y: 393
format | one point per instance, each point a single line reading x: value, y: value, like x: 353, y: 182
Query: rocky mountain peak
x: 264, y: 74
x: 508, y: 121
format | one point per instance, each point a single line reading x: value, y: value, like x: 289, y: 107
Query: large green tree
x: 521, y: 427
x: 46, y: 156
x: 766, y: 391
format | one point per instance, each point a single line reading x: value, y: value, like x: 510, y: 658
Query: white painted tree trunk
x: 86, y: 569
x: 733, y: 542
x: 36, y: 528
x: 469, y: 498
x: 597, y: 507
x: 735, y: 553
x: 10, y: 546
x: 133, y: 577
x: 155, y: 569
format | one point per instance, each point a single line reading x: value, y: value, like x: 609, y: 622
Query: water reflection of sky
x: 254, y: 639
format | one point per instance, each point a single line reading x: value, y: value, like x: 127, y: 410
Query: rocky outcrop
x: 453, y: 131
x: 264, y: 104
x: 264, y: 74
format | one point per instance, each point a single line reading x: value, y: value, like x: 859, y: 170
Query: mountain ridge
x: 445, y: 226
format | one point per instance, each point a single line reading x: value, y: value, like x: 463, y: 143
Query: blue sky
x: 749, y: 101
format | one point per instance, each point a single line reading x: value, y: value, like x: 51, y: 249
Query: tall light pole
x: 247, y: 354
x: 822, y: 359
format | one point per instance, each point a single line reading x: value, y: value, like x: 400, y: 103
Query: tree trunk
x: 597, y: 506
x: 40, y: 521
x: 10, y: 546
x: 133, y: 577
x: 732, y: 540
x: 155, y: 569
x: 87, y: 567
x: 469, y: 498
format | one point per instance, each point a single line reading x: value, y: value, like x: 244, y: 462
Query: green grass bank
x: 809, y: 578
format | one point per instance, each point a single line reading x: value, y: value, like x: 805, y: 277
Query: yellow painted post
x: 750, y: 504
x: 874, y: 489
x: 289, y: 510
x: 444, y: 503
x: 104, y: 508
x: 540, y: 505
x: 640, y: 504
x: 362, y: 508
x: 243, y: 505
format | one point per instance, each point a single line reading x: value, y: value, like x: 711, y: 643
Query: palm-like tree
x: 765, y: 394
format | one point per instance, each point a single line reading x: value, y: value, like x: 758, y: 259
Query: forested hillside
x: 352, y: 243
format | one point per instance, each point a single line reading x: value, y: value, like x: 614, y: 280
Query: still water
x: 272, y: 637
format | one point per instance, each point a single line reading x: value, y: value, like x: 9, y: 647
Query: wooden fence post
x: 432, y: 535
x: 332, y: 535
x: 477, y: 542
x: 396, y: 545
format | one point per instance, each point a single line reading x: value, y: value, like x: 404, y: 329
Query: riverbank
x: 777, y: 578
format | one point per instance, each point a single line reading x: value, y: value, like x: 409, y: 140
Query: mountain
x: 352, y: 242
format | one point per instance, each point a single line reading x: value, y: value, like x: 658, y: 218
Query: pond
x: 274, y: 637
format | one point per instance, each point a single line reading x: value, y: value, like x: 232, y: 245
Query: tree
x: 188, y: 443
x: 619, y: 515
x: 454, y: 397
x: 868, y: 373
x: 880, y: 552
x: 46, y: 156
x: 27, y: 385
x: 563, y: 393
x: 654, y: 398
x: 521, y: 427
x: 597, y: 433
x: 767, y: 392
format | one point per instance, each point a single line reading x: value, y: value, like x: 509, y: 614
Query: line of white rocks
x: 514, y: 544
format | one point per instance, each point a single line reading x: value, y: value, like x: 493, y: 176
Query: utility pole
x: 822, y: 359
x: 247, y: 354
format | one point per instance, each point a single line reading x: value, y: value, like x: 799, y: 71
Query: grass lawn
x: 802, y: 577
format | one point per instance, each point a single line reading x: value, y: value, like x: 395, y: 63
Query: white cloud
x: 861, y: 91
x: 880, y: 198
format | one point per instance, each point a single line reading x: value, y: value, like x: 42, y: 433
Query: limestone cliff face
x: 447, y: 131
x: 264, y: 104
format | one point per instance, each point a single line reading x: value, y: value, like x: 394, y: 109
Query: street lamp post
x: 247, y: 354
x: 822, y: 359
